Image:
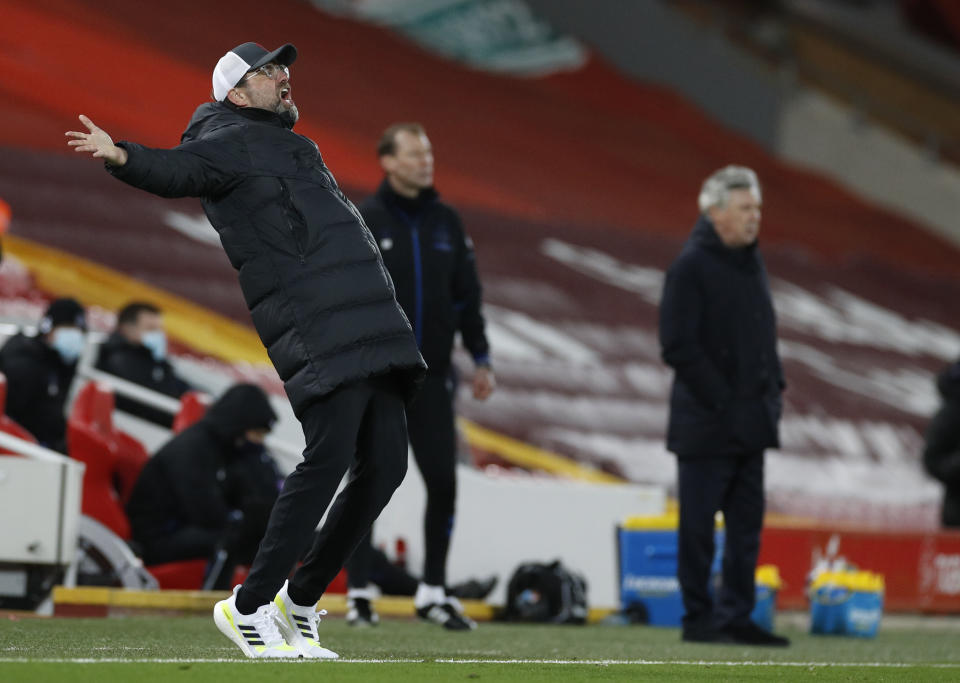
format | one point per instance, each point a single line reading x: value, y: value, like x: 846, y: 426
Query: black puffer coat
x: 718, y: 332
x: 321, y: 299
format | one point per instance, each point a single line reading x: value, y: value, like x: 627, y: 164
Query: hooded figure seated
x: 208, y: 492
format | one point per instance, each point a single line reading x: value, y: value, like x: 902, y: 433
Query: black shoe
x: 473, y: 589
x: 751, y: 634
x: 706, y: 635
x: 446, y: 615
x: 360, y: 613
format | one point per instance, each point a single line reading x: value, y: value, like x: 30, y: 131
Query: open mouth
x: 285, y: 95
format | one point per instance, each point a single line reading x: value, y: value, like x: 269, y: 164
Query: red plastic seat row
x: 113, y: 460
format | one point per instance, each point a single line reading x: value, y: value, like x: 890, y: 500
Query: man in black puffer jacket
x: 941, y: 453
x: 323, y: 305
x: 210, y: 488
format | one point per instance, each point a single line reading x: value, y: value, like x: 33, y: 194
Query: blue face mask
x: 156, y: 341
x: 68, y: 342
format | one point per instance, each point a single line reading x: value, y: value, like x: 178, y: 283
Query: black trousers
x: 950, y: 512
x: 430, y: 422
x: 734, y: 485
x: 359, y: 426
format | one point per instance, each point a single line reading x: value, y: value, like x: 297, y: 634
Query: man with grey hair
x: 718, y: 333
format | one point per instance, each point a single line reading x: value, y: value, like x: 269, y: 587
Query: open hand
x: 97, y: 141
x: 483, y: 383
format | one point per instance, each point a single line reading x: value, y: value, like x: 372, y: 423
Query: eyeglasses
x: 271, y: 71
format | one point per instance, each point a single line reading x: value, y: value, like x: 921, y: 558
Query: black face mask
x: 249, y: 449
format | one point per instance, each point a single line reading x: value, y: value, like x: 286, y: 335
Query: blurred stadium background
x: 573, y: 136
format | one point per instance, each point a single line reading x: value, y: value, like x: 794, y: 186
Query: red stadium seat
x: 114, y: 460
x: 193, y: 405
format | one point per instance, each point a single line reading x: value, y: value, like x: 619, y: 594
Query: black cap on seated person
x: 65, y: 312
x: 242, y: 59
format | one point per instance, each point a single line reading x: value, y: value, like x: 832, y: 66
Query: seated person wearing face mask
x: 40, y: 369
x: 207, y: 493
x: 137, y: 352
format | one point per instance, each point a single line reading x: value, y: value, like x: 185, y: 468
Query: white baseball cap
x: 235, y: 64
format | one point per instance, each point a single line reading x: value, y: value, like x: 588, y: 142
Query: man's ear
x: 388, y: 163
x: 237, y: 97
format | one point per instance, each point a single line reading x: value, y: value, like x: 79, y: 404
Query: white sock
x: 367, y: 593
x: 429, y: 595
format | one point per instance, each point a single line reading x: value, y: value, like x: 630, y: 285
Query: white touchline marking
x: 660, y: 662
x: 561, y: 662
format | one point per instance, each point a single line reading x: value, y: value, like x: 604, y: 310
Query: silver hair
x: 716, y: 188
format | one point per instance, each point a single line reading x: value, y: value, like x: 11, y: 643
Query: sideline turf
x: 403, y: 672
x: 143, y: 638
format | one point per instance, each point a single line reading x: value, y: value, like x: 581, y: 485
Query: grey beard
x: 289, y: 115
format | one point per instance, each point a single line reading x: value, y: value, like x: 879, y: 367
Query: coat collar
x: 257, y: 114
x: 705, y: 235
x: 408, y: 206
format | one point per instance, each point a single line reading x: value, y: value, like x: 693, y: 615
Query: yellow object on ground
x: 768, y: 575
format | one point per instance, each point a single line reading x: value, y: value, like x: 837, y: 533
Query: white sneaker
x: 434, y: 605
x: 256, y: 634
x: 448, y: 614
x: 299, y: 626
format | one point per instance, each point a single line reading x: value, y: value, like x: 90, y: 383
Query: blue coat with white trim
x: 433, y: 267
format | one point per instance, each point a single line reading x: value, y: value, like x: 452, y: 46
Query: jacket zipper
x: 287, y: 208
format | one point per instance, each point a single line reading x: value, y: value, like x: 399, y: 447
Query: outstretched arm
x: 196, y: 168
x: 98, y: 142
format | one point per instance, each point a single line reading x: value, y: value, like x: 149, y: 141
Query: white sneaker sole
x: 294, y: 637
x: 223, y: 624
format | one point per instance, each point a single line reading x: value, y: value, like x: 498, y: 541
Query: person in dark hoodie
x: 941, y: 453
x: 40, y: 370
x: 324, y: 307
x: 718, y: 332
x: 207, y: 493
x: 137, y: 351
x: 431, y: 260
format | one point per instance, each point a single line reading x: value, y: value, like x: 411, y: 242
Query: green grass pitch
x: 146, y: 649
